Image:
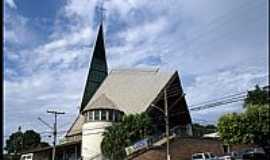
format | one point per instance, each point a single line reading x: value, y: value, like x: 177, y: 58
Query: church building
x: 108, y: 97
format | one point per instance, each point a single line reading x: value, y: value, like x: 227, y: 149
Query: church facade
x: 109, y: 96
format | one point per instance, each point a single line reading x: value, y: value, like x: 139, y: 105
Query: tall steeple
x: 98, y: 70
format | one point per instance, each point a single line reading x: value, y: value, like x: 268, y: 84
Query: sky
x: 218, y: 47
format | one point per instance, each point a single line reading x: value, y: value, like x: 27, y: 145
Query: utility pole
x: 166, y: 118
x: 54, y: 130
x: 167, y: 124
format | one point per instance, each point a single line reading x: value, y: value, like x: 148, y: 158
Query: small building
x: 66, y: 151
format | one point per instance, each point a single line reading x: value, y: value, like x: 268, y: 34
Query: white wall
x: 92, y: 138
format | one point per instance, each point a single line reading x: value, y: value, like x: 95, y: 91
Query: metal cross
x: 101, y: 10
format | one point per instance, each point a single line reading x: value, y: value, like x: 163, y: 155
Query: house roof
x: 76, y: 127
x: 131, y: 91
x: 102, y: 102
x: 50, y: 147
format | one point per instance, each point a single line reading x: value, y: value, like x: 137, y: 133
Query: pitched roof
x: 76, y: 127
x: 102, y: 102
x: 98, y: 69
x: 132, y: 91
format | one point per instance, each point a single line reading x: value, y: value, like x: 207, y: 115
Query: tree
x: 14, y: 143
x: 19, y: 141
x: 120, y: 135
x: 257, y: 96
x: 250, y: 127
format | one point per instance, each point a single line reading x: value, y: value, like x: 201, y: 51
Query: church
x: 109, y: 96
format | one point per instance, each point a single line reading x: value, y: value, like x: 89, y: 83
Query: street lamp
x: 167, y: 126
x: 166, y: 120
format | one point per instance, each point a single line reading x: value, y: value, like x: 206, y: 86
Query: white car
x: 198, y: 156
x: 28, y: 156
x: 204, y: 156
x: 211, y: 156
x: 226, y: 158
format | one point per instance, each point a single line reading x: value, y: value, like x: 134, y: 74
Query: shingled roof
x: 131, y: 91
x: 102, y: 102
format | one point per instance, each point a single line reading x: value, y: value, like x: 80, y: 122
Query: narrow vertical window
x: 86, y: 117
x: 103, y: 115
x: 110, y: 115
x: 114, y: 116
x: 96, y: 115
x: 117, y: 116
x: 91, y: 115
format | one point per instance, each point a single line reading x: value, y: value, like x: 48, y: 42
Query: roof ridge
x: 100, y: 99
x: 135, y: 70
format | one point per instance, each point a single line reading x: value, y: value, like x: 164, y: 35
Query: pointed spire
x: 98, y: 70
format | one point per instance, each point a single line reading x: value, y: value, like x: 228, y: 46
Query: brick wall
x: 182, y: 149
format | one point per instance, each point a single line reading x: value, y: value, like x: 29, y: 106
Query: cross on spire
x: 101, y: 10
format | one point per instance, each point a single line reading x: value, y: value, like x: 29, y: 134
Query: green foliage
x: 123, y: 134
x: 15, y: 142
x: 199, y: 130
x: 251, y: 126
x: 231, y: 128
x: 257, y: 96
x: 19, y: 141
x: 31, y: 139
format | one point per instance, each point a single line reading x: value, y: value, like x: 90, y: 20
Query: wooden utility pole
x: 166, y: 117
x: 167, y: 125
x: 54, y: 130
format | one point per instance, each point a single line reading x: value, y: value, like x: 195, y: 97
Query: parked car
x: 254, y: 156
x: 198, y: 156
x: 226, y: 158
x: 28, y: 156
x: 211, y: 156
x: 204, y: 156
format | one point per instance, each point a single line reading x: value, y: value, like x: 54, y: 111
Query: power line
x: 216, y: 104
x: 218, y: 99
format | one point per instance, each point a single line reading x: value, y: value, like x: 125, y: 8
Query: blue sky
x: 219, y: 47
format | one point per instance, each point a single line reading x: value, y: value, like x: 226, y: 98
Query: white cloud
x: 222, y: 56
x: 82, y: 37
x: 11, y: 3
x: 83, y: 10
x: 17, y: 30
x: 217, y: 85
x: 32, y: 96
